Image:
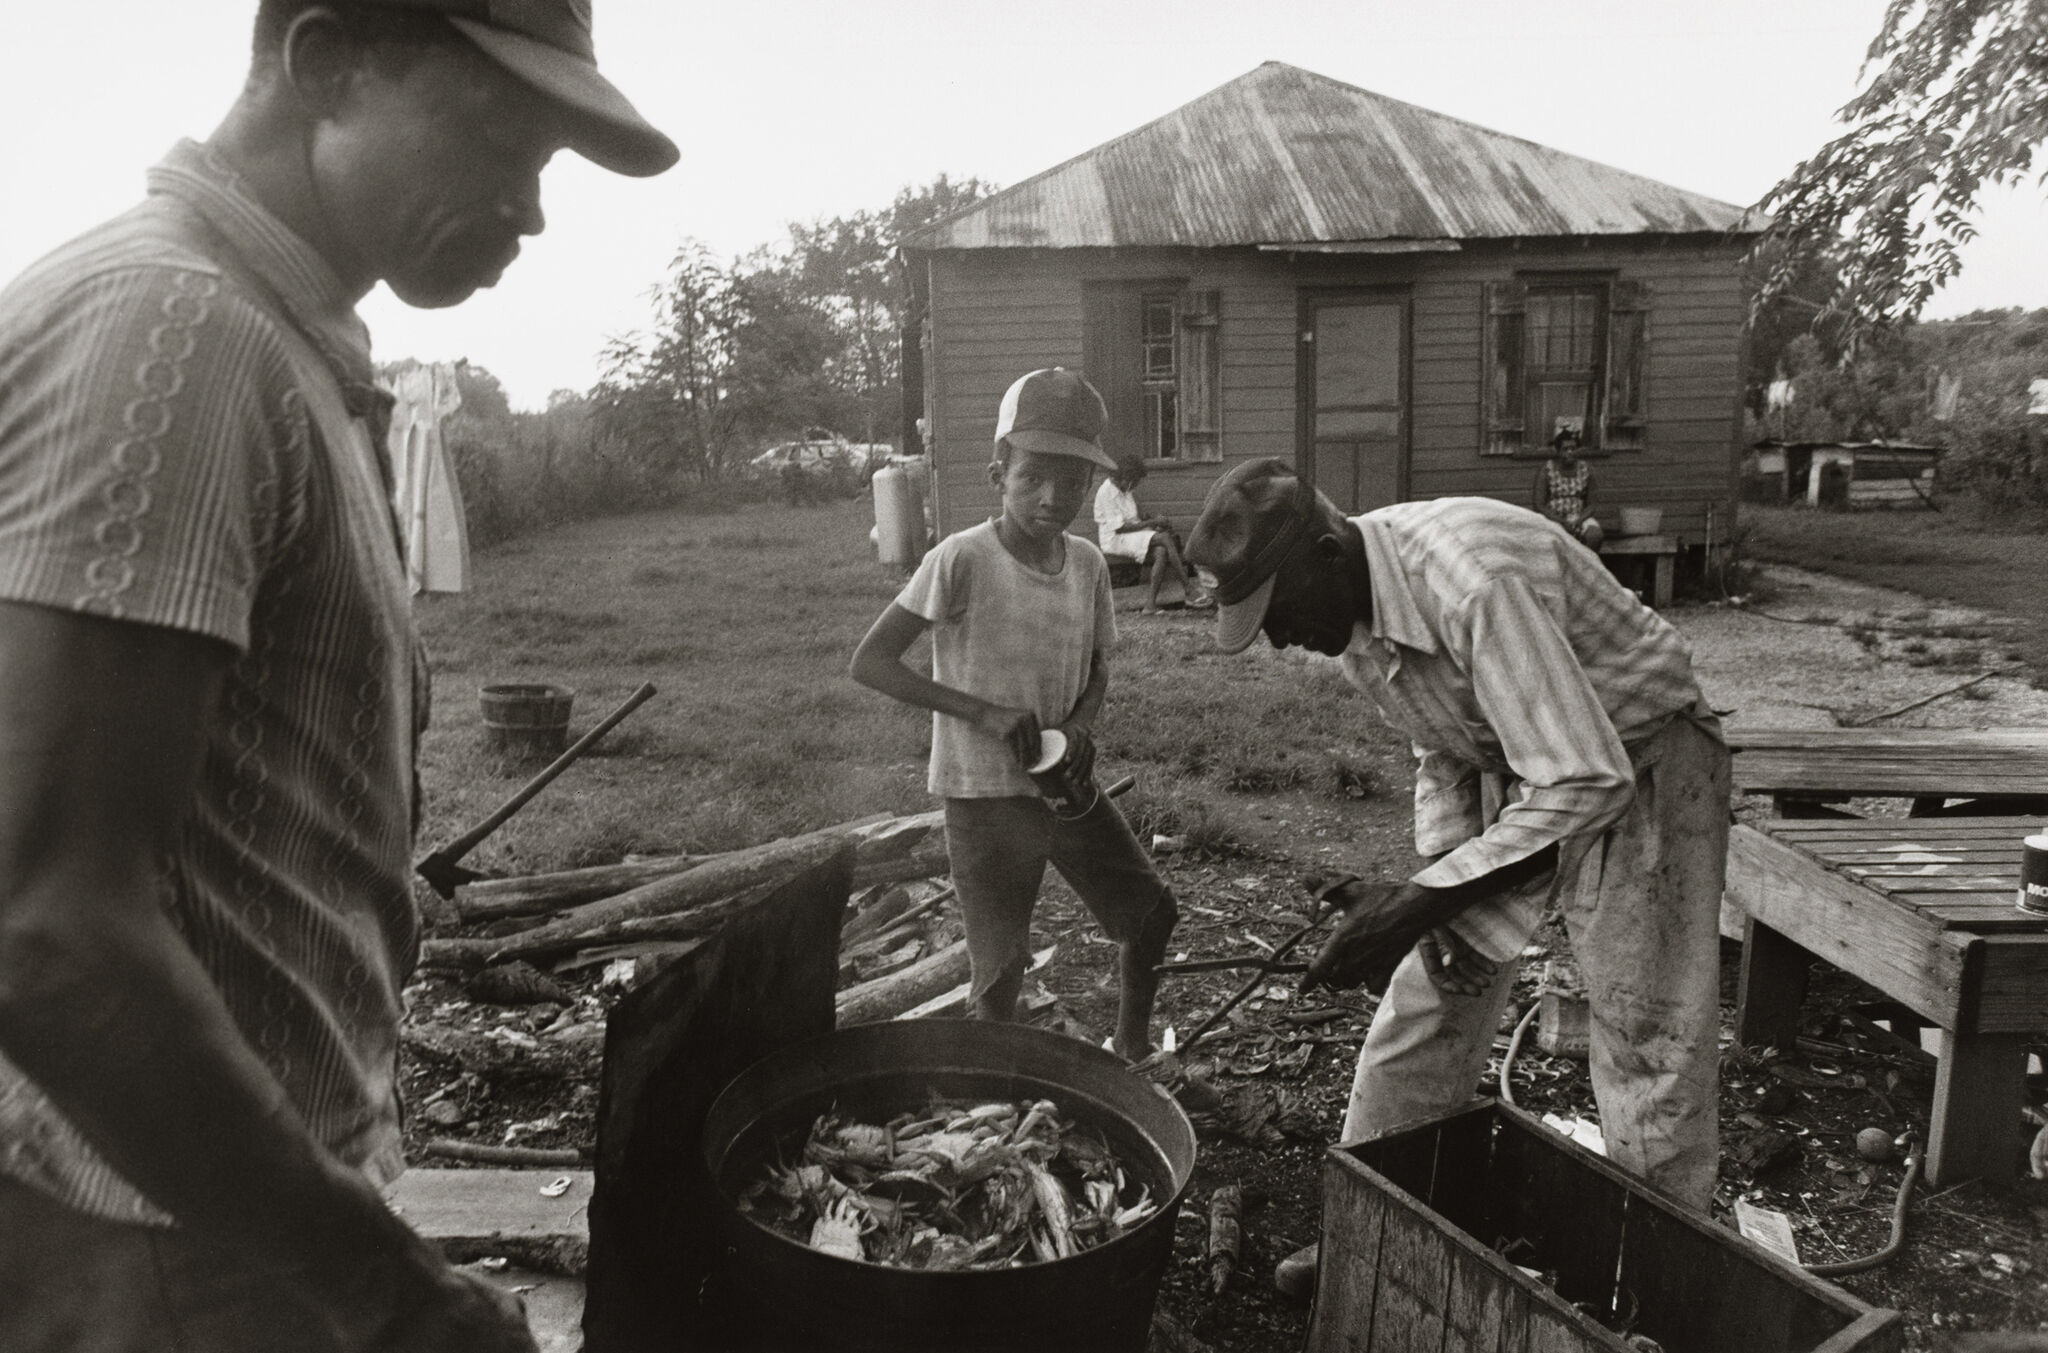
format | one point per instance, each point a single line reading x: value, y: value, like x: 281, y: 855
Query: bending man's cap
x: 547, y: 45
x: 1254, y: 518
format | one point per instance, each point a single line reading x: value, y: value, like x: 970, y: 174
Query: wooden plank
x: 2013, y: 997
x: 1698, y: 1295
x: 1773, y: 983
x: 1414, y: 1286
x: 1347, y: 1278
x: 1974, y: 1125
x: 1853, y: 927
x: 1569, y: 1213
x: 484, y: 1205
x: 1876, y: 1331
x: 1483, y: 1310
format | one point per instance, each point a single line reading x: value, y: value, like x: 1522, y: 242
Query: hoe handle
x: 466, y: 842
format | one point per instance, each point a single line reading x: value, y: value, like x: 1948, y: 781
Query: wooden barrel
x: 526, y: 720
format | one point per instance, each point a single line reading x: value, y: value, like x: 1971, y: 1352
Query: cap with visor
x: 1255, y: 517
x: 547, y: 45
x: 1054, y: 412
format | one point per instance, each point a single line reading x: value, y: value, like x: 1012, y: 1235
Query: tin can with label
x: 1069, y: 798
x: 2033, y: 898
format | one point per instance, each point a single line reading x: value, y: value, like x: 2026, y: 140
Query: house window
x: 1151, y: 349
x: 1159, y: 328
x: 1563, y: 352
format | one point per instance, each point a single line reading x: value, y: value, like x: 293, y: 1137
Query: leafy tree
x: 848, y: 263
x: 783, y: 339
x: 1956, y: 98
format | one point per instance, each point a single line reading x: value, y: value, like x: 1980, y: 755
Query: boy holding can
x: 1022, y: 624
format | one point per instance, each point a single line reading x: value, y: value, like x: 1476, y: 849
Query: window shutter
x: 1501, y: 372
x: 1201, y: 376
x: 1628, y: 333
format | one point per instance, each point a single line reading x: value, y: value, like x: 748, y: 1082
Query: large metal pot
x: 787, y: 1295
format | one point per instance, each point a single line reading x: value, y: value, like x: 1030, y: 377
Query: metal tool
x: 440, y: 868
x: 1276, y: 961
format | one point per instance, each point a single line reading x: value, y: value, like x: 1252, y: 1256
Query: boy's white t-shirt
x: 1008, y: 634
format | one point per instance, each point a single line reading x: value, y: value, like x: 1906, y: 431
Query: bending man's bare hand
x: 1381, y: 923
x: 1453, y: 965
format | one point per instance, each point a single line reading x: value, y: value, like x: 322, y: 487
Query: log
x: 550, y: 941
x: 603, y: 922
x: 496, y: 1059
x: 538, y: 894
x: 484, y: 1153
x: 890, y: 850
x: 887, y: 997
x: 1226, y: 1205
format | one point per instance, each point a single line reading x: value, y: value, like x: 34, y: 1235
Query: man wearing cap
x: 1565, y: 750
x: 1022, y: 623
x: 210, y: 690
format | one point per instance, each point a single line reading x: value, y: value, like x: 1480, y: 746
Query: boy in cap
x: 1022, y: 624
x: 1566, y: 750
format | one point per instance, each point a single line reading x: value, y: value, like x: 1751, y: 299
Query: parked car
x: 824, y: 454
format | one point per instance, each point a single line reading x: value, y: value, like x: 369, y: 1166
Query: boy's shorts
x: 999, y: 849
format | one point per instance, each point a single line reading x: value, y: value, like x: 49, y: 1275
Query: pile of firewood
x: 900, y: 952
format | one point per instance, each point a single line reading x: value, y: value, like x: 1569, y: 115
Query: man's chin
x: 434, y: 297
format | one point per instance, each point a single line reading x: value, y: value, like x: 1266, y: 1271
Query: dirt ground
x: 1807, y: 650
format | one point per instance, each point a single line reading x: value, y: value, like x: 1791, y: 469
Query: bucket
x: 784, y: 1295
x: 1641, y: 521
x: 526, y: 720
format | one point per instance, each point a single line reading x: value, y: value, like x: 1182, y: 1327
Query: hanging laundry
x: 1948, y: 389
x: 426, y: 495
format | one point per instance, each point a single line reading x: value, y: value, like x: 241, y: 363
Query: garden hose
x: 1915, y: 1155
x: 1514, y: 1046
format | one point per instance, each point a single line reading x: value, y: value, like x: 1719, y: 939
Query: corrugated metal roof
x: 1283, y: 155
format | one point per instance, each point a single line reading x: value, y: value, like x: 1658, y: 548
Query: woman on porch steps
x: 1126, y: 533
x: 1564, y: 490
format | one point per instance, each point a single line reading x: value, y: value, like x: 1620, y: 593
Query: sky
x: 796, y: 110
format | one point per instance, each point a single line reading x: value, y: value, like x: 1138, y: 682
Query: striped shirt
x: 1501, y: 647
x: 175, y: 453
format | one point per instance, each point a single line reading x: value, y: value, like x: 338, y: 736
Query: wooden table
x: 1801, y: 768
x: 1923, y: 910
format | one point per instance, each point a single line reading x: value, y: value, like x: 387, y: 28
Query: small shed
x: 1402, y: 303
x: 1842, y: 474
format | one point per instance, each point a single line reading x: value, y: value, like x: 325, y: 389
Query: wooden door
x: 1352, y: 384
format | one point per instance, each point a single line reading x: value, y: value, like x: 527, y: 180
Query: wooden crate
x: 1412, y: 1221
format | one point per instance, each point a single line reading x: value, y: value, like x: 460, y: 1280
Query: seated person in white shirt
x: 1126, y: 533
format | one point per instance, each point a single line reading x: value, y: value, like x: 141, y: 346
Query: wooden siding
x: 999, y: 313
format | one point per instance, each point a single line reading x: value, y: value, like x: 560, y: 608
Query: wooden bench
x: 1659, y: 554
x: 1923, y: 910
x: 1804, y: 769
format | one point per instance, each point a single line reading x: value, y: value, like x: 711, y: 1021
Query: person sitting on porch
x: 1126, y: 533
x: 1564, y: 489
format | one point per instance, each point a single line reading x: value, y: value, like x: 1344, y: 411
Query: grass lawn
x: 745, y: 622
x: 1959, y: 555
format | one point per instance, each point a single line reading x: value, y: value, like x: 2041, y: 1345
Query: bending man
x: 1565, y: 750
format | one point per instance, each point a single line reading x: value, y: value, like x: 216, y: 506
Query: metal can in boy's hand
x: 2033, y: 898
x: 1055, y: 780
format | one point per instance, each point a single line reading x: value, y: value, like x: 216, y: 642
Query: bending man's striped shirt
x: 1505, y: 651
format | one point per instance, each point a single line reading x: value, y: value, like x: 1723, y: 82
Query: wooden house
x: 1402, y: 303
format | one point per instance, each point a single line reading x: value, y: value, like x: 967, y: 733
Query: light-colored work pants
x: 1643, y: 914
